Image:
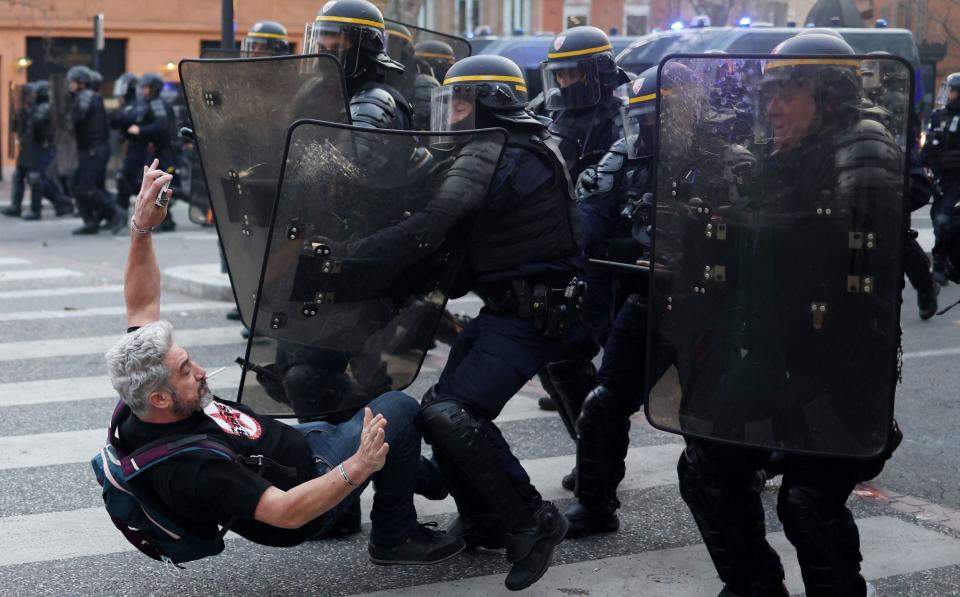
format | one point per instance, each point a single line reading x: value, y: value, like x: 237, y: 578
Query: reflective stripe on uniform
x: 352, y: 21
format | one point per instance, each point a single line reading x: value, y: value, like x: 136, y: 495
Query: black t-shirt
x: 206, y: 489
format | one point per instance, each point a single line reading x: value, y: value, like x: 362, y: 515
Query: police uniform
x: 941, y: 153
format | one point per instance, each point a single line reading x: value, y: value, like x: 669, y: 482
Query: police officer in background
x: 90, y: 124
x: 132, y: 111
x: 438, y: 56
x: 354, y: 31
x: 817, y: 126
x: 156, y: 131
x: 941, y: 153
x: 416, y: 82
x: 266, y: 38
x: 521, y: 259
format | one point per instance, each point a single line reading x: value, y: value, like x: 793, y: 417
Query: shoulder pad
x: 373, y: 107
x: 862, y: 150
x: 425, y: 82
x: 615, y: 159
x: 158, y: 108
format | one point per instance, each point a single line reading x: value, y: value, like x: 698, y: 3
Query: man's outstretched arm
x: 141, y: 278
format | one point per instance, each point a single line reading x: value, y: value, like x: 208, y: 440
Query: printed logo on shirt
x: 233, y: 421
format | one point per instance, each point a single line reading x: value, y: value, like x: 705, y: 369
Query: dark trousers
x: 131, y: 174
x: 393, y: 516
x: 18, y: 185
x: 93, y: 201
x: 492, y: 359
x: 721, y: 487
x: 916, y: 266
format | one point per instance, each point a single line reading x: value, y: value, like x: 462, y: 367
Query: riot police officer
x: 90, y: 124
x: 813, y: 109
x: 579, y: 77
x: 941, y: 153
x: 266, y: 38
x: 520, y: 260
x: 355, y: 32
x: 132, y: 111
x: 437, y: 55
x: 415, y: 83
x: 156, y: 131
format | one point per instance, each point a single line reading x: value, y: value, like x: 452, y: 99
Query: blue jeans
x: 393, y: 516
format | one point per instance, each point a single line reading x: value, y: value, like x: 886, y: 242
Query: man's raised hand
x: 147, y: 214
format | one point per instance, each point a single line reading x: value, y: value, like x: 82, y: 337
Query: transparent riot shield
x: 64, y: 133
x: 461, y: 47
x: 240, y: 110
x: 777, y: 241
x: 362, y: 257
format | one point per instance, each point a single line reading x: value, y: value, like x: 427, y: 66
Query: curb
x: 204, y: 281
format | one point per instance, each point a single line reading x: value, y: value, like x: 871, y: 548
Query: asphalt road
x: 61, y: 306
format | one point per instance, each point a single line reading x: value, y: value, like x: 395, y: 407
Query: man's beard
x: 180, y: 406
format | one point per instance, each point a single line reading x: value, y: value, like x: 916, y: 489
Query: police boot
x: 940, y: 268
x: 571, y: 380
x: 31, y: 215
x: 602, y: 444
x: 927, y: 301
x: 530, y: 550
x: 548, y: 402
x: 12, y: 211
x: 479, y: 530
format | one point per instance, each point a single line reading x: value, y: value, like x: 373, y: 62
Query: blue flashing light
x: 677, y: 26
x: 744, y: 22
x: 880, y: 24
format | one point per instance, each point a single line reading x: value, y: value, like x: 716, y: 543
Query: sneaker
x: 11, y: 212
x: 31, y: 215
x: 425, y: 545
x: 531, y: 550
x: 927, y: 302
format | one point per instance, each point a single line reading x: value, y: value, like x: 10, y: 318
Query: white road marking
x: 44, y: 292
x: 107, y: 311
x: 7, y: 261
x: 37, y: 274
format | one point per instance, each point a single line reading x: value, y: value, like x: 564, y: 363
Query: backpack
x: 135, y: 509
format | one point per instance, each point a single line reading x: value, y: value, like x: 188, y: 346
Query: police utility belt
x: 552, y: 310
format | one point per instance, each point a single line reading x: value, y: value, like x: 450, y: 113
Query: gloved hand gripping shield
x: 240, y: 110
x: 361, y: 260
x: 777, y: 256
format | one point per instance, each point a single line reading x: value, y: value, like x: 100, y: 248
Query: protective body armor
x: 41, y: 130
x: 378, y: 105
x: 585, y: 134
x: 942, y: 148
x: 90, y: 119
x: 423, y: 87
x: 539, y: 228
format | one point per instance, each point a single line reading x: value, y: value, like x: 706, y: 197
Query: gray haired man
x: 168, y: 395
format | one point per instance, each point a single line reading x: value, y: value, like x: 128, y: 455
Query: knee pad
x: 595, y: 411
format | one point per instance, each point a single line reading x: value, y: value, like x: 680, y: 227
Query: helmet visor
x: 340, y: 39
x: 452, y: 108
x: 570, y: 84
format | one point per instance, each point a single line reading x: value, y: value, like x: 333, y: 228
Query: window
x: 635, y: 19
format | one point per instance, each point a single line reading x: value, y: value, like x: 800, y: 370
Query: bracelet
x: 137, y: 229
x: 346, y: 479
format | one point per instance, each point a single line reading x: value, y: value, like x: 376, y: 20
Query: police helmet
x: 125, y: 87
x: 355, y: 32
x: 154, y: 84
x: 399, y: 41
x: 80, y: 74
x: 833, y: 82
x: 943, y: 97
x: 579, y: 69
x: 96, y: 80
x: 41, y: 90
x: 481, y: 91
x: 438, y: 55
x: 266, y: 38
x: 639, y: 112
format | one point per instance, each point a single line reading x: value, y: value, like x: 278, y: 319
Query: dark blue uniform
x: 941, y: 153
x: 89, y: 182
x: 136, y: 149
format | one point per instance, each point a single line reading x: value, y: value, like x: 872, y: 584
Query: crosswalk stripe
x: 688, y: 571
x: 91, y: 532
x: 940, y: 352
x: 68, y: 291
x: 37, y: 274
x: 107, y: 311
x: 7, y: 261
x: 68, y: 347
x: 83, y: 388
x: 71, y: 447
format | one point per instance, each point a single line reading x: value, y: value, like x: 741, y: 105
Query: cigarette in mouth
x: 215, y: 372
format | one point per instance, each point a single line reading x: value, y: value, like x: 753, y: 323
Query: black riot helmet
x: 437, y: 55
x: 478, y: 92
x: 153, y: 83
x: 579, y: 69
x: 354, y: 31
x: 639, y: 112
x: 125, y: 87
x: 833, y: 79
x: 952, y: 82
x: 41, y: 91
x: 266, y: 38
x: 79, y: 74
x: 399, y: 42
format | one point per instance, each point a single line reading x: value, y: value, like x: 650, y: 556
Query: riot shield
x: 240, y: 110
x: 461, y: 47
x: 778, y: 234
x: 64, y: 134
x: 362, y: 257
x: 15, y: 92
